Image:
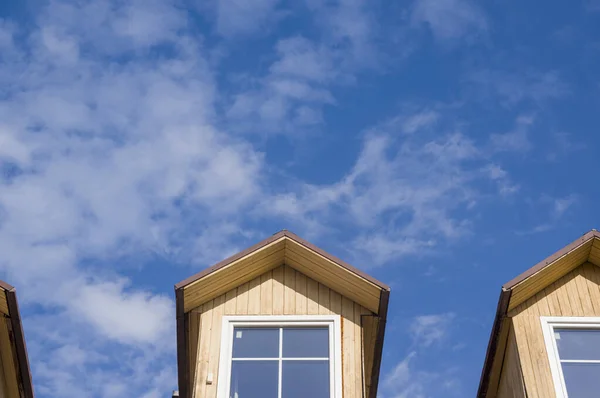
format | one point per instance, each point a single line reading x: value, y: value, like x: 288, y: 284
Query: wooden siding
x: 9, y: 372
x: 547, y: 275
x: 575, y: 294
x: 3, y: 302
x: 281, y: 291
x: 318, y: 267
x: 511, y: 377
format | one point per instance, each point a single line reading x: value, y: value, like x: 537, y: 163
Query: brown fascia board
x: 269, y: 240
x: 183, y: 370
x: 19, y: 339
x: 490, y: 354
x: 504, y: 301
x: 383, y: 310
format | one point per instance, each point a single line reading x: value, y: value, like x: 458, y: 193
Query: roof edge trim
x: 593, y: 234
x: 19, y: 341
x: 490, y: 354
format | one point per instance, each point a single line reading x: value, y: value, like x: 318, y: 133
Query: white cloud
x: 514, y: 87
x: 426, y: 330
x: 420, y: 120
x: 561, y: 205
x: 241, y: 18
x: 516, y: 140
x: 450, y: 19
x: 109, y: 151
x: 291, y: 96
x: 406, y: 193
x: 406, y: 380
x: 502, y: 179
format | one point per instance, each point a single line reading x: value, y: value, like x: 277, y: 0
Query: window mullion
x: 279, y: 392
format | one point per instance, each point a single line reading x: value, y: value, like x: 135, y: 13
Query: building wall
x: 575, y: 294
x: 282, y: 291
x: 8, y: 374
x: 511, y: 377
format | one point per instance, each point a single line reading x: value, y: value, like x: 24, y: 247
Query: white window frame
x: 548, y: 326
x: 335, y: 344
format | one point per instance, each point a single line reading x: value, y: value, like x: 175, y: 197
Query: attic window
x: 280, y: 357
x: 573, y: 346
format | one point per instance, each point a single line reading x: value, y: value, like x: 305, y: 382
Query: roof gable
x: 525, y: 286
x: 549, y: 270
x: 282, y: 248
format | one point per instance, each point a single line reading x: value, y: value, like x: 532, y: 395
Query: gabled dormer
x: 545, y: 340
x: 15, y: 376
x: 282, y: 319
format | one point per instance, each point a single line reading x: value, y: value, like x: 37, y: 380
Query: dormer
x: 15, y: 376
x: 545, y: 339
x: 282, y: 319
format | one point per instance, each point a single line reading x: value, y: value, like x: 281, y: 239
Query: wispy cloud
x: 555, y: 210
x: 516, y: 140
x: 450, y: 19
x: 109, y: 151
x: 240, y: 19
x: 515, y: 87
x: 407, y: 380
x: 426, y: 330
x: 407, y: 193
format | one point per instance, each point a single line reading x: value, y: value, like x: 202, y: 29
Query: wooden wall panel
x: 282, y: 291
x: 3, y: 302
x: 575, y: 294
x: 511, y: 378
x: 9, y: 371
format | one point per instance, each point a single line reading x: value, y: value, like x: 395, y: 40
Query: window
x: 573, y: 346
x: 280, y: 357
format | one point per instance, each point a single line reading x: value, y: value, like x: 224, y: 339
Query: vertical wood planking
x: 266, y: 293
x: 575, y: 294
x: 215, y: 349
x: 584, y: 294
x: 282, y: 290
x: 254, y: 296
x: 230, y: 302
x: 289, y: 290
x: 324, y: 303
x: 301, y: 288
x: 511, y: 380
x: 335, y: 302
x: 241, y: 305
x: 553, y: 303
x: 358, y: 359
x: 194, y: 338
x: 6, y: 355
x: 349, y: 372
x: 593, y: 285
x: 278, y: 291
x: 203, y: 350
x: 312, y: 294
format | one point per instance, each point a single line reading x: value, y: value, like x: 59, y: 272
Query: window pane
x: 578, y: 343
x: 582, y: 379
x: 255, y: 343
x: 254, y: 379
x: 302, y: 379
x: 306, y: 342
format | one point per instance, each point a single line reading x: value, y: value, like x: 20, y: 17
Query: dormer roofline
x: 526, y: 285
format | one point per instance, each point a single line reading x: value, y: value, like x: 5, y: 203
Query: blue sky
x: 444, y: 146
